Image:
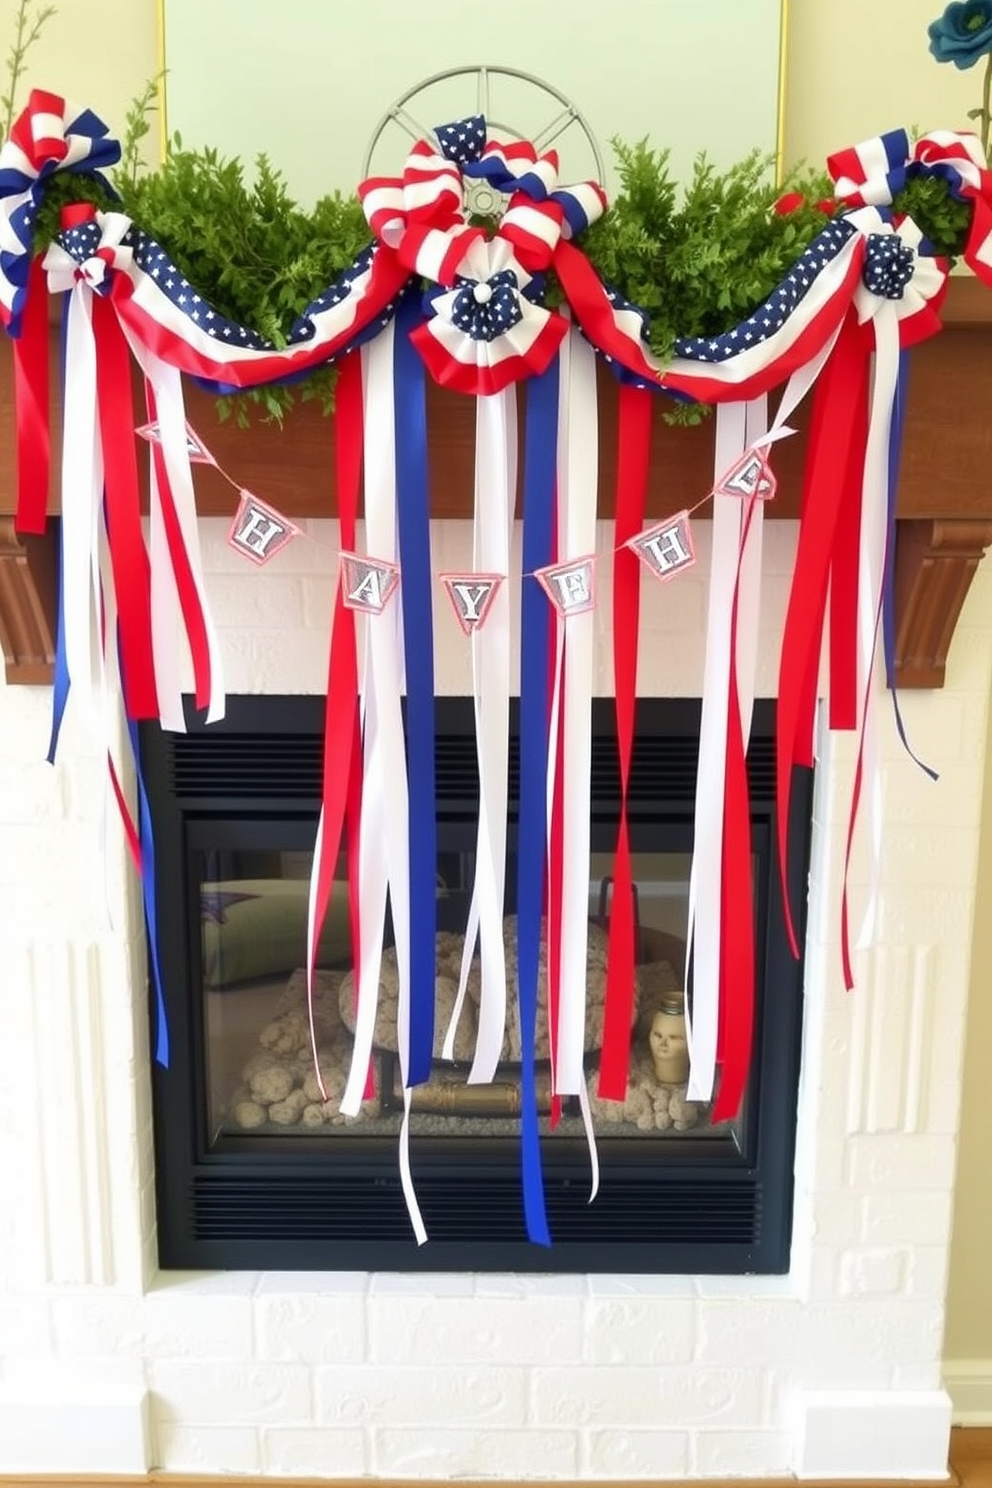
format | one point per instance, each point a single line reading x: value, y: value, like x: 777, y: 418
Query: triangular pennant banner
x: 368, y: 583
x: 571, y: 587
x: 471, y: 596
x: 258, y: 530
x: 667, y: 548
x: 195, y: 447
x: 750, y: 476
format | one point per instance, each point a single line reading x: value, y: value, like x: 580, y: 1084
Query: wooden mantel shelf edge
x: 944, y: 508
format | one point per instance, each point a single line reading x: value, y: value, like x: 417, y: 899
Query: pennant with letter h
x: 666, y: 549
x: 367, y: 583
x: 258, y: 531
x: 471, y: 596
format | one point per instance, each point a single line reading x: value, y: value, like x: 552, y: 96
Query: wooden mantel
x: 945, y: 495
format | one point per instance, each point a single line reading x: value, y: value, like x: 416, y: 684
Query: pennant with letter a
x: 258, y: 531
x: 195, y: 447
x: 368, y: 582
x: 471, y: 596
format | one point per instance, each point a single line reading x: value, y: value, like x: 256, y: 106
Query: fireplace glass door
x: 261, y: 1064
x: 257, y: 1165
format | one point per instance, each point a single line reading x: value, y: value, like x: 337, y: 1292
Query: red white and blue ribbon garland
x: 862, y: 292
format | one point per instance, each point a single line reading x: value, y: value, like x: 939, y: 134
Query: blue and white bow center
x: 888, y: 266
x: 487, y: 308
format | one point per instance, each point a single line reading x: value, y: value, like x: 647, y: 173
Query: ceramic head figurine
x: 667, y: 1041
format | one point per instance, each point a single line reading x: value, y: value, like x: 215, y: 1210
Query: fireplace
x: 256, y: 1169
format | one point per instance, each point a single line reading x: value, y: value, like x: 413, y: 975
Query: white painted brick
x: 837, y: 1217
x: 420, y: 1397
x: 928, y: 1266
x: 742, y: 1454
x: 189, y: 1327
x: 259, y: 601
x: 426, y: 1453
x: 624, y: 1455
x: 206, y: 1449
x: 311, y: 1329
x: 25, y: 1324
x: 920, y: 1218
x: 310, y: 1283
x: 318, y: 592
x: 874, y: 1272
x: 198, y: 1393
x: 410, y: 1284
x: 728, y: 1333
x: 628, y: 1397
x: 640, y: 1331
x: 320, y: 1452
x: 673, y: 1288
x: 502, y: 1284
x: 889, y: 1163
x: 95, y: 1324
x: 448, y: 1330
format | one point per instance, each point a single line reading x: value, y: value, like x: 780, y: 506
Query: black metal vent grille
x: 281, y: 767
x: 353, y: 1209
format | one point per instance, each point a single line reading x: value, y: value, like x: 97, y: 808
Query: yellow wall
x: 854, y: 69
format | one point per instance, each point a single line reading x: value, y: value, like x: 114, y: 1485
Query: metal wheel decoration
x: 563, y: 117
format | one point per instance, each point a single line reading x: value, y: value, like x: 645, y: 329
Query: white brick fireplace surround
x: 109, y: 1365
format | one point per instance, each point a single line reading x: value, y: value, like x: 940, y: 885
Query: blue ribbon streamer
x: 540, y: 474
x: 888, y: 581
x: 147, y: 840
x: 413, y: 523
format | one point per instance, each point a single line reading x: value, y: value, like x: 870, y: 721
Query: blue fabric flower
x: 963, y: 34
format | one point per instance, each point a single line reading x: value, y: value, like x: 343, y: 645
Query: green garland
x: 697, y: 260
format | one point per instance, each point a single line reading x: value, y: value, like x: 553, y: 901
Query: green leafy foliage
x: 698, y: 265
x: 30, y: 20
x: 248, y: 248
x: 942, y: 219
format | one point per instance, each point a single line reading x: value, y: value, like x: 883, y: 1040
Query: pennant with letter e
x: 367, y: 583
x: 471, y: 596
x: 258, y: 531
x: 666, y: 548
x: 571, y: 587
x: 751, y: 475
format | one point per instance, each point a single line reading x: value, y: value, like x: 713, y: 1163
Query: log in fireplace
x: 256, y: 1169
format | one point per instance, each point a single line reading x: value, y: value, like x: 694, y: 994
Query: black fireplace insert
x: 256, y: 1165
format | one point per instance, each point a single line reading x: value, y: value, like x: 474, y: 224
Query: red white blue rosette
x: 50, y: 135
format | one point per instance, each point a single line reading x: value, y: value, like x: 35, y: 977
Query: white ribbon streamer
x: 705, y: 887
x: 871, y: 570
x: 170, y: 412
x: 495, y: 487
x: 82, y: 493
x: 577, y: 492
x: 384, y: 846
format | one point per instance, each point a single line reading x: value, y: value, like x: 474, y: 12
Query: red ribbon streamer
x: 737, y: 950
x: 31, y: 406
x: 556, y: 874
x: 840, y: 391
x: 633, y: 458
x: 128, y: 554
x: 341, y: 782
x: 844, y: 565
